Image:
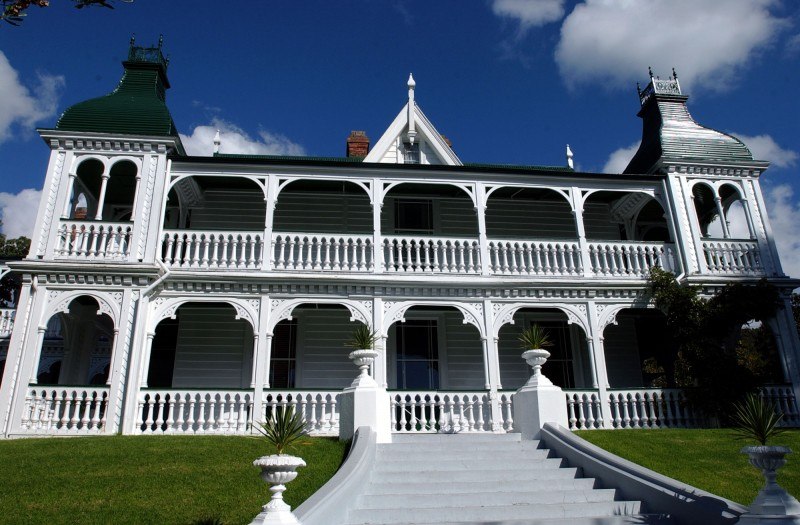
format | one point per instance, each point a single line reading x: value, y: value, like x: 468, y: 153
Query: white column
x: 483, y: 239
x: 786, y: 338
x: 136, y: 361
x: 694, y: 229
x: 11, y: 388
x: 380, y: 367
x: 723, y: 220
x: 577, y: 212
x: 269, y: 223
x: 68, y: 201
x: 597, y: 351
x: 136, y: 196
x: 148, y: 349
x: 119, y: 362
x: 377, y: 236
x: 261, y: 359
x: 102, y: 200
x: 37, y: 354
x: 766, y: 240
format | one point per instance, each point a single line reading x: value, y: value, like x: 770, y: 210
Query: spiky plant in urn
x: 755, y: 419
x: 534, y: 340
x: 362, y: 340
x: 282, y: 429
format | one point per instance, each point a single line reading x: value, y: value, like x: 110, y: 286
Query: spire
x: 570, y: 162
x: 216, y: 143
x: 412, y: 130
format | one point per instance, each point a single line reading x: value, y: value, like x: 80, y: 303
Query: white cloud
x: 529, y: 13
x: 620, y: 158
x: 764, y: 147
x: 18, y: 212
x: 784, y: 215
x: 707, y: 41
x: 234, y: 139
x: 18, y: 106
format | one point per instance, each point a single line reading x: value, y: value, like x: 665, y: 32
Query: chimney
x: 357, y: 144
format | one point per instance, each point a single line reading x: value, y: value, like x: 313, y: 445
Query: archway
x: 624, y: 216
x: 86, y: 189
x: 120, y: 192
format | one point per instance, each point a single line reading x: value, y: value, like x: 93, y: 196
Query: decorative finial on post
x: 217, y: 142
x: 160, y: 41
x: 570, y: 163
x: 650, y: 72
x: 133, y: 39
x: 639, y: 90
x: 674, y: 74
x: 412, y: 131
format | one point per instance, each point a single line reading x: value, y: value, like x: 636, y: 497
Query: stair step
x: 636, y: 519
x: 472, y: 437
x: 494, y: 475
x: 476, y: 487
x: 467, y: 463
x: 452, y: 454
x: 490, y: 498
x: 488, y: 515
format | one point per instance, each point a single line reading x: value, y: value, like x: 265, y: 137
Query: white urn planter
x: 773, y: 504
x: 363, y: 359
x: 277, y: 470
x: 536, y: 358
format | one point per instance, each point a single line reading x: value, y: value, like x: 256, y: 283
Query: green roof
x: 136, y: 107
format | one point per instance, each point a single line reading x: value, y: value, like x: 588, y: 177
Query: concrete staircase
x: 484, y: 479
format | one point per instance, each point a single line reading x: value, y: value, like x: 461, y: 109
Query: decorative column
x: 695, y: 239
x: 120, y: 361
x: 68, y: 201
x: 598, y: 358
x: 261, y: 360
x: 98, y: 216
x: 145, y: 368
x: 762, y: 230
x: 136, y: 195
x: 483, y: 239
x: 491, y: 363
x: 377, y: 237
x: 37, y: 354
x: 723, y: 220
x: 577, y: 212
x: 269, y: 223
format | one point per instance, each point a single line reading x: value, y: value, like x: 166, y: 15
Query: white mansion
x: 166, y: 293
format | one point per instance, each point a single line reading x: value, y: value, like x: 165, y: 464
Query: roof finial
x: 160, y: 41
x: 650, y: 71
x: 570, y: 162
x: 674, y: 74
x: 412, y: 130
x: 216, y: 143
x: 639, y: 90
x: 133, y: 39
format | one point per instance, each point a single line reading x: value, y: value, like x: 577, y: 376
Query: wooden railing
x: 527, y: 257
x: 782, y: 398
x: 447, y: 412
x: 319, y: 408
x: 88, y: 240
x: 434, y: 255
x: 629, y: 258
x: 7, y: 321
x: 64, y: 410
x: 213, y: 249
x: 322, y: 252
x: 731, y: 257
x: 177, y: 411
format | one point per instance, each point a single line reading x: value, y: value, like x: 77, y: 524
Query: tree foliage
x: 708, y: 333
x: 13, y: 11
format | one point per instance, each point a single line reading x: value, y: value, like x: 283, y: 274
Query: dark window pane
x: 413, y: 216
x: 417, y: 355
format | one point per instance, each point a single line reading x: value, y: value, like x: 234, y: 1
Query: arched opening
x: 86, y: 190
x: 705, y: 207
x: 640, y: 352
x: 120, y: 192
x: 757, y: 351
x: 429, y: 228
x: 77, y: 346
x: 624, y: 216
x: 569, y: 365
x: 734, y: 207
x: 529, y: 213
x: 205, y: 346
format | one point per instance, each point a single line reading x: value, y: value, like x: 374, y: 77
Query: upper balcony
x: 418, y: 227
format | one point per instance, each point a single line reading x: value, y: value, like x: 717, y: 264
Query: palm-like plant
x: 535, y: 337
x: 283, y: 428
x: 362, y: 338
x: 756, y: 418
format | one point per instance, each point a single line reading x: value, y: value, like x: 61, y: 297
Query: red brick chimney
x: 357, y: 144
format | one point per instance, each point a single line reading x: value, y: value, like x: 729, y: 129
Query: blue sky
x: 508, y: 81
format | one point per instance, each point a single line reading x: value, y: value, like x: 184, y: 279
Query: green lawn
x: 707, y: 459
x: 143, y: 480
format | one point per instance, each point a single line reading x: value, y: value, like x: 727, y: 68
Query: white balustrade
x: 6, y: 321
x: 65, y: 410
x: 177, y: 411
x: 584, y: 410
x: 733, y: 257
x: 405, y: 254
x: 630, y: 259
x: 534, y: 257
x: 447, y: 412
x: 507, y: 410
x: 782, y: 398
x: 87, y: 240
x: 322, y: 251
x: 651, y: 408
x: 212, y: 249
x: 319, y: 409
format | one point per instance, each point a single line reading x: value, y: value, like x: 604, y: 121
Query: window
x: 411, y: 153
x: 413, y: 216
x: 417, y: 355
x: 284, y: 353
x: 559, y: 367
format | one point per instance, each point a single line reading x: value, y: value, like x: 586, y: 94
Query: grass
x: 708, y: 459
x: 143, y: 480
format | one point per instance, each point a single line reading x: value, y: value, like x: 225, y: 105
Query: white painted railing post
x: 577, y: 212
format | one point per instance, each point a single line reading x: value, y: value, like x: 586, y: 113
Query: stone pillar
x: 364, y: 403
x: 539, y: 401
